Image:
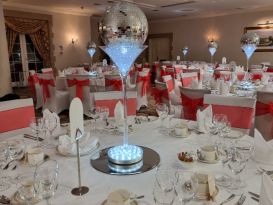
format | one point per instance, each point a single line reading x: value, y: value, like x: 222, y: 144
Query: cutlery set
x: 254, y: 196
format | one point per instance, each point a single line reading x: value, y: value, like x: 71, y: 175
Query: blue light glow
x: 123, y: 53
x: 185, y: 51
x: 91, y: 51
x: 212, y: 51
x: 249, y: 50
x: 125, y: 153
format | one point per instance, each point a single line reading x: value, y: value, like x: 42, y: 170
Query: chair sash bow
x: 159, y: 94
x: 145, y: 85
x: 45, y: 83
x: 79, y: 86
x: 115, y: 83
x: 190, y: 106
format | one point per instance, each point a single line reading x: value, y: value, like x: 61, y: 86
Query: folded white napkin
x: 266, y: 196
x: 262, y: 149
x: 265, y: 79
x: 68, y: 144
x: 224, y: 60
x: 54, y: 118
x: 61, y: 73
x: 118, y: 113
x: 204, y: 119
x: 224, y: 88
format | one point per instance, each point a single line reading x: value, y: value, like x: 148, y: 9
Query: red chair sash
x: 111, y: 104
x: 239, y: 117
x: 115, y: 83
x: 257, y: 76
x: 269, y: 70
x: 240, y: 76
x: 32, y: 80
x: 16, y: 118
x: 160, y: 94
x: 186, y: 81
x: 45, y: 83
x: 79, y: 86
x: 190, y: 106
x: 263, y: 108
x: 145, y: 85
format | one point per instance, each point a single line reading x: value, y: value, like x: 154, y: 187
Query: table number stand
x: 81, y: 190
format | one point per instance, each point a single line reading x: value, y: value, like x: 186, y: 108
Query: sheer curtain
x: 38, y: 30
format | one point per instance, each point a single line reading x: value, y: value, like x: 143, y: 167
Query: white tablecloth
x: 101, y: 184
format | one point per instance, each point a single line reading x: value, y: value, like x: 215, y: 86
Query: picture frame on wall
x: 266, y: 37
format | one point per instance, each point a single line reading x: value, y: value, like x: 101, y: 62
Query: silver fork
x: 228, y: 199
x: 241, y: 200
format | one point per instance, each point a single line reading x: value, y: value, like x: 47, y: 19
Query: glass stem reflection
x: 125, y: 134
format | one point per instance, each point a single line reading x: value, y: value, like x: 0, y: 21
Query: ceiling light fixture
x: 265, y: 24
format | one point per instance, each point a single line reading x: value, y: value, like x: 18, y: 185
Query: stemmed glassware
x: 4, y: 185
x: 94, y: 113
x: 186, y: 186
x: 162, y: 111
x: 104, y: 114
x: 26, y: 187
x: 50, y: 125
x: 46, y: 179
x: 163, y: 190
x: 37, y: 125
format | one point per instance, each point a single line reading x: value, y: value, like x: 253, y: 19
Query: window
x: 24, y: 57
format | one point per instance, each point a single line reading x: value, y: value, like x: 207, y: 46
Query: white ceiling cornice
x: 39, y: 9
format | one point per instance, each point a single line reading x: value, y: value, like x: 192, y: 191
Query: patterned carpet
x: 64, y: 116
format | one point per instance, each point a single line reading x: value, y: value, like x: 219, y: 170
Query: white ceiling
x: 154, y: 9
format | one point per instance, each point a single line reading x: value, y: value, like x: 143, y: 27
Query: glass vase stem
x: 125, y: 134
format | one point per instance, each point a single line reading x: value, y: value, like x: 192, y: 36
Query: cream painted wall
x: 227, y: 30
x: 65, y: 27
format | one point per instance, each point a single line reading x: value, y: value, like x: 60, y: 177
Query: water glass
x: 37, y: 125
x: 162, y: 196
x: 162, y: 111
x: 165, y: 177
x: 186, y: 186
x: 104, y: 114
x: 46, y: 179
x: 94, y: 113
x: 26, y: 187
x: 15, y: 149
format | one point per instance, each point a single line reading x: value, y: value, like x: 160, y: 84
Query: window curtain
x: 38, y: 30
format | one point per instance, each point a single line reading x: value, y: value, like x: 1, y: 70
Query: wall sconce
x: 265, y: 24
x: 61, y: 52
x: 74, y: 41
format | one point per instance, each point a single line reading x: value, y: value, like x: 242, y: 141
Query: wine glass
x: 236, y: 164
x: 50, y: 124
x: 36, y: 125
x: 165, y: 177
x: 219, y: 120
x: 15, y: 149
x: 104, y: 114
x: 186, y: 186
x: 4, y: 185
x: 94, y: 113
x: 46, y: 179
x: 161, y: 196
x: 162, y: 111
x: 26, y: 187
x: 245, y: 148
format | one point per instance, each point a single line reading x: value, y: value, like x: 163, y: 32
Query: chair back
x: 169, y: 82
x: 113, y: 83
x: 110, y: 99
x: 160, y: 93
x: 187, y: 78
x: 192, y: 100
x: 264, y: 114
x: 143, y: 82
x: 47, y: 70
x: 16, y: 114
x: 240, y: 75
x: 239, y: 111
x: 48, y: 86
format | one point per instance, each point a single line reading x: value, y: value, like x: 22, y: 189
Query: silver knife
x: 255, y: 199
x: 254, y: 194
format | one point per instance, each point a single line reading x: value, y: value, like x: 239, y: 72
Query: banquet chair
x: 110, y: 99
x: 187, y: 78
x: 16, y: 114
x: 142, y: 83
x: 79, y: 86
x: 256, y: 74
x: 47, y: 70
x: 226, y: 75
x: 160, y: 93
x: 239, y: 111
x: 53, y: 99
x: 192, y: 100
x: 36, y: 89
x: 113, y: 83
x: 240, y: 75
x: 264, y: 114
x: 170, y: 83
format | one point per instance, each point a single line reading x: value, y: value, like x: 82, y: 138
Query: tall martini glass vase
x: 124, y: 53
x: 248, y: 50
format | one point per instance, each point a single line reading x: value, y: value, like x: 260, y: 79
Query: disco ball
x: 123, y: 22
x: 250, y: 38
x: 212, y: 44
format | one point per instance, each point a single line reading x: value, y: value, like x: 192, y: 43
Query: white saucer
x: 173, y: 134
x: 133, y: 202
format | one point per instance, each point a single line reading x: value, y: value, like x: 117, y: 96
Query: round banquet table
x: 100, y: 184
